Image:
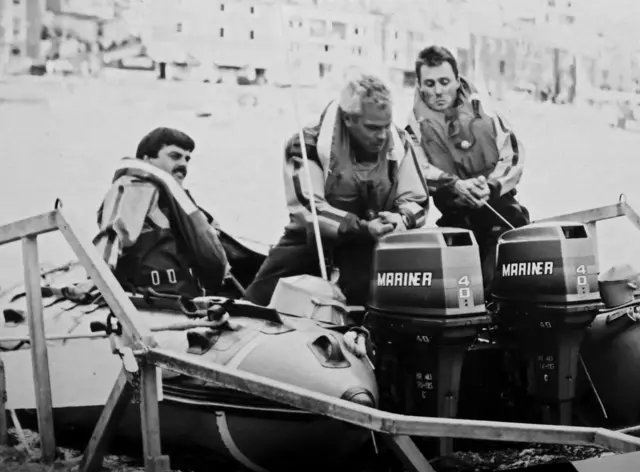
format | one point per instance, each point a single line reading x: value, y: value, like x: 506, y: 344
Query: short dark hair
x: 433, y: 56
x: 158, y: 138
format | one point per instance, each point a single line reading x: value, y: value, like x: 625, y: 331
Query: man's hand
x: 393, y: 218
x: 378, y: 228
x: 473, y: 192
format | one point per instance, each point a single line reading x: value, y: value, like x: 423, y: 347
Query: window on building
x: 395, y: 35
x: 317, y: 28
x: 178, y: 27
x: 252, y: 10
x: 395, y: 56
x: 339, y: 29
x: 222, y: 7
x: 251, y: 35
x: 326, y: 48
x: 16, y: 2
x: 356, y: 31
x: 222, y: 32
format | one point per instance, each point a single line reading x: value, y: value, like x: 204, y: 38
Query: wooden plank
x: 590, y: 216
x: 114, y: 408
x: 374, y: 419
x: 153, y: 459
x: 33, y: 226
x: 408, y: 452
x: 115, y: 296
x: 54, y: 337
x: 616, y: 441
x: 632, y: 215
x: 39, y: 356
x: 4, y: 437
x: 630, y: 429
x: 592, y: 230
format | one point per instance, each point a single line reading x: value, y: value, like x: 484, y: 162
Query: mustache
x: 182, y: 169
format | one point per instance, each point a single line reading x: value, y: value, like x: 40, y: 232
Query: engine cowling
x: 546, y: 293
x: 432, y: 272
x: 426, y: 308
x: 547, y: 263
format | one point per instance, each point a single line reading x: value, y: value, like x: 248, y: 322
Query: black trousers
x: 485, y: 225
x: 295, y: 254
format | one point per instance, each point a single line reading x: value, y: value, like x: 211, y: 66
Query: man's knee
x: 286, y: 259
x: 260, y: 291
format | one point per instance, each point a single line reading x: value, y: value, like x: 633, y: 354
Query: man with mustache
x: 152, y: 233
x: 366, y: 183
x: 471, y: 157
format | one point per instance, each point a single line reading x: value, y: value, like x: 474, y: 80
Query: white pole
x: 305, y: 158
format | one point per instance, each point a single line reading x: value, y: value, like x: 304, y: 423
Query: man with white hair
x: 366, y: 183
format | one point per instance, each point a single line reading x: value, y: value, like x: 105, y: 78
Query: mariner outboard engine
x: 426, y: 308
x: 546, y: 295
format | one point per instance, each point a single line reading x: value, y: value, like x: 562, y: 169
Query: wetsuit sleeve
x: 121, y: 217
x: 334, y: 223
x: 508, y: 171
x: 435, y: 177
x: 412, y: 196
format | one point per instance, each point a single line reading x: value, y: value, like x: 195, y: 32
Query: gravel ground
x: 25, y: 458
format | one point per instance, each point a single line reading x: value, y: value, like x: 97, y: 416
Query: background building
x: 554, y: 45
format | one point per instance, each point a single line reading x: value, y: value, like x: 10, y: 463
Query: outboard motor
x: 546, y: 295
x: 426, y: 308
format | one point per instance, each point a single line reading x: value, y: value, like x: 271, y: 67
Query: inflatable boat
x: 225, y: 424
x: 572, y: 330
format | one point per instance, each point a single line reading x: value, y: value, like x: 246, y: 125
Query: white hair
x: 364, y: 87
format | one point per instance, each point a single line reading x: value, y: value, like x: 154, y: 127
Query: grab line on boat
x: 232, y: 447
x: 221, y: 417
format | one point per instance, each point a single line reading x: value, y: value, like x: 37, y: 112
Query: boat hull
x: 228, y: 434
x: 260, y: 434
x: 611, y: 353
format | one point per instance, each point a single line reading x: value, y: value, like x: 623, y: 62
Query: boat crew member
x: 152, y: 233
x: 366, y: 183
x: 471, y: 155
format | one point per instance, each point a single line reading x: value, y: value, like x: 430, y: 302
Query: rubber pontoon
x: 259, y: 434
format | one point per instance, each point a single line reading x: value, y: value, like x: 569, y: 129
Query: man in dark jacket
x: 152, y: 234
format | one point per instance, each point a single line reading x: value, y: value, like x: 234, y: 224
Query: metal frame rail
x: 396, y: 429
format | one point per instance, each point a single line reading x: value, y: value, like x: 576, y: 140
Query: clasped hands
x: 384, y: 223
x: 472, y: 192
